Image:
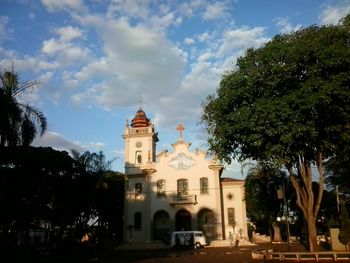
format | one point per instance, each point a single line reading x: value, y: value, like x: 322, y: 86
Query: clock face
x: 138, y: 144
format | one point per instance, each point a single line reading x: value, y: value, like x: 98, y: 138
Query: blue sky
x: 99, y: 60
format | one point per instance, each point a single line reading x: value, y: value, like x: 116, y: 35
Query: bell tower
x: 140, y: 143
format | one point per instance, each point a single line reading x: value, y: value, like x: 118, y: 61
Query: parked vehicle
x: 189, y: 239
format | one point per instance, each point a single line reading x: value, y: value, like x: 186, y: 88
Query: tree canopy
x: 287, y: 101
x: 41, y: 186
x: 19, y: 122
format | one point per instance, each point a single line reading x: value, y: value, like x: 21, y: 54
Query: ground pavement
x: 218, y: 251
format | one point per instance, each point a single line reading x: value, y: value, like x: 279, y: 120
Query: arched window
x: 138, y: 157
x: 161, y: 187
x: 204, y: 185
x: 231, y: 216
x: 182, y: 187
x: 138, y: 191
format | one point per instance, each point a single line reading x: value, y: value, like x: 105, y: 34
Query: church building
x: 176, y: 190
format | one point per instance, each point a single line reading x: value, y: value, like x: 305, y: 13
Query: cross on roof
x: 180, y: 128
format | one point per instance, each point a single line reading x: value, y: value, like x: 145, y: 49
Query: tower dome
x: 140, y: 120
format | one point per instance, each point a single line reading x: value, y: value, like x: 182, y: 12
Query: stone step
x: 226, y: 243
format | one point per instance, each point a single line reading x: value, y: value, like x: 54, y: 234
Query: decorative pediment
x: 182, y: 162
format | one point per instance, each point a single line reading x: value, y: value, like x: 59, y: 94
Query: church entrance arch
x: 183, y: 220
x: 206, y: 223
x: 161, y: 226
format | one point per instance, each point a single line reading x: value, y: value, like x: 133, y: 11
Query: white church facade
x: 176, y: 190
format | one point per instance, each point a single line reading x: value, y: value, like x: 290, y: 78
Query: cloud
x: 65, y: 50
x: 234, y: 170
x: 332, y: 14
x: 69, y: 33
x: 190, y: 8
x: 3, y: 28
x: 162, y: 22
x: 135, y: 8
x: 189, y: 41
x: 285, y: 25
x: 216, y: 10
x: 203, y: 37
x: 241, y: 38
x: 27, y: 63
x: 205, y: 56
x: 136, y: 59
x: 54, y: 5
x: 57, y: 141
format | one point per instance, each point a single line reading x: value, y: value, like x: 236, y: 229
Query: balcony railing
x: 132, y: 196
x: 183, y: 199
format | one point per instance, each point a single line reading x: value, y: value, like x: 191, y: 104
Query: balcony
x: 130, y: 195
x: 183, y: 200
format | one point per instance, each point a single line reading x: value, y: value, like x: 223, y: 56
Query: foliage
x: 19, y: 122
x: 42, y: 187
x: 38, y: 185
x: 287, y: 101
x: 344, y: 234
x: 261, y: 186
x: 337, y: 172
x: 108, y: 192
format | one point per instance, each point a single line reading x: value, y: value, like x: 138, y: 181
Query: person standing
x: 230, y: 237
x: 237, y: 241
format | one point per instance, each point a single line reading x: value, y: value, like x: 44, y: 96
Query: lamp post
x: 281, y: 195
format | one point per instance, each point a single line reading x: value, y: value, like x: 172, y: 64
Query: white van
x: 195, y: 239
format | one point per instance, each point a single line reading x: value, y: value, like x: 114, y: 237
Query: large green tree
x: 19, y: 122
x: 287, y: 101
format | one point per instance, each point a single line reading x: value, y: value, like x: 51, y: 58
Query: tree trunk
x: 309, y: 205
x: 312, y: 233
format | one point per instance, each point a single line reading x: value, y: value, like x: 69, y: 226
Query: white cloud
x: 178, y: 21
x: 285, y: 25
x: 63, y: 49
x: 69, y: 33
x: 189, y: 41
x: 97, y: 146
x: 215, y: 10
x: 52, y: 46
x: 332, y: 14
x: 53, y: 5
x: 46, y: 77
x: 234, y: 170
x: 241, y: 38
x: 136, y: 59
x: 57, y: 141
x: 205, y: 56
x: 203, y: 37
x: 189, y: 8
x: 3, y: 28
x: 28, y: 63
x: 162, y: 21
x: 135, y: 8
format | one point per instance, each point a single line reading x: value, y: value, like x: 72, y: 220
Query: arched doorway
x: 206, y: 223
x: 183, y: 220
x: 161, y: 225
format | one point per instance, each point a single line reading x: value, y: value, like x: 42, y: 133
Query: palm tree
x: 19, y: 122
